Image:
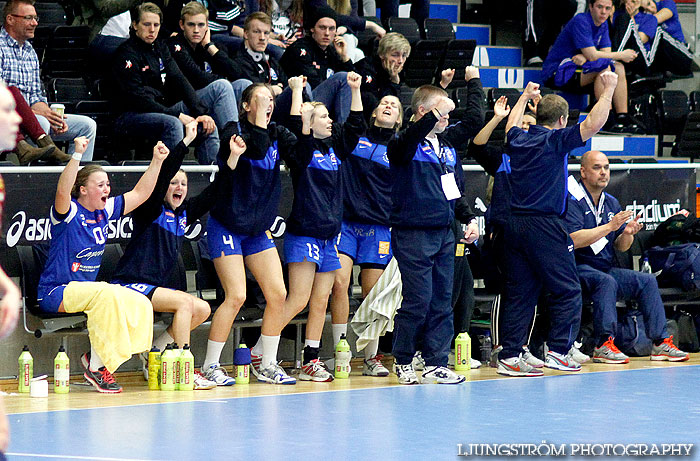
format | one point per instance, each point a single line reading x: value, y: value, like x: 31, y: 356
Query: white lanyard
x: 599, y: 212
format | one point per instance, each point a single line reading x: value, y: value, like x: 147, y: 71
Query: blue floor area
x: 409, y: 422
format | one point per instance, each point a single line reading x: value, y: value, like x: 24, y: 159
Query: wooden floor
x: 136, y: 392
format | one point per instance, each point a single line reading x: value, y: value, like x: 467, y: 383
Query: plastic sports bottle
x: 167, y: 369
x: 26, y: 370
x: 186, y: 361
x: 241, y: 360
x: 61, y: 372
x: 463, y: 346
x: 153, y: 368
x: 342, y: 358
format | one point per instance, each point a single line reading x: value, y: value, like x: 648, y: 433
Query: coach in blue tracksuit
x: 539, y: 250
x: 425, y: 188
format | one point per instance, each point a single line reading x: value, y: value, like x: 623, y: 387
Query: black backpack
x: 677, y: 230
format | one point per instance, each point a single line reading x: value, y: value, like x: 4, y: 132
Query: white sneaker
x: 216, y: 373
x: 441, y: 375
x: 201, y: 383
x: 576, y: 354
x: 314, y: 370
x: 406, y: 374
x: 275, y: 374
x: 418, y: 362
x: 516, y: 366
x: 561, y: 362
x: 530, y: 359
x: 474, y: 364
x: 375, y: 367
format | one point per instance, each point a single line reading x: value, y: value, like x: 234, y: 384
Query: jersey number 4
x: 228, y: 240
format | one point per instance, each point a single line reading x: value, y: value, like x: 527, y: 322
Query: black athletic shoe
x: 103, y: 381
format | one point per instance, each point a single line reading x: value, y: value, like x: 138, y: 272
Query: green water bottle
x: 168, y: 359
x: 153, y: 368
x: 26, y: 370
x: 61, y: 372
x: 186, y: 361
x: 342, y: 358
x: 463, y: 346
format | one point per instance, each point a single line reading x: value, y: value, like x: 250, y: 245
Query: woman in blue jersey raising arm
x: 159, y: 230
x: 120, y: 322
x: 238, y: 232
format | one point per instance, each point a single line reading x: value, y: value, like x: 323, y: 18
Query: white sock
x: 338, y: 330
x: 163, y: 340
x: 371, y: 349
x: 95, y: 361
x: 269, y: 349
x: 258, y: 348
x: 214, y: 349
x: 312, y: 343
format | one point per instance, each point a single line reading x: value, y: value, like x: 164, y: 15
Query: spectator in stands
x: 420, y: 9
x: 226, y: 21
x: 30, y: 125
x: 198, y: 57
x: 19, y: 67
x: 673, y: 54
x: 382, y: 72
x: 252, y: 62
x: 596, y: 223
x: 109, y: 22
x: 10, y: 297
x: 322, y: 58
x: 582, y: 52
x: 120, y: 321
x: 153, y: 106
x: 538, y: 249
x: 287, y: 17
x: 158, y: 234
x: 543, y: 22
x: 423, y: 162
x: 635, y: 29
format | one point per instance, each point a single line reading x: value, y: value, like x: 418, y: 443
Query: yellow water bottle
x: 241, y: 360
x: 342, y: 359
x: 26, y: 370
x: 61, y: 372
x: 167, y: 369
x: 463, y: 345
x: 186, y: 375
x: 154, y: 369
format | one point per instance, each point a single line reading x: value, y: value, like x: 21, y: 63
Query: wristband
x: 77, y: 156
x: 206, y: 47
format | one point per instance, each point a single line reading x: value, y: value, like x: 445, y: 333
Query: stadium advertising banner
x: 656, y: 194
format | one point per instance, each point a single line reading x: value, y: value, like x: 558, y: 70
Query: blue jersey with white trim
x: 367, y: 179
x: 78, y: 241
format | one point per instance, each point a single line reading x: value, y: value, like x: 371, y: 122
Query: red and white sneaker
x: 255, y: 363
x: 315, y: 371
x: 668, y: 351
x: 375, y: 367
x: 201, y: 382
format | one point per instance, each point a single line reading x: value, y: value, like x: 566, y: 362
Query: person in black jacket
x: 155, y: 98
x: 423, y: 161
x: 252, y: 62
x: 198, y: 57
x: 322, y: 58
x: 159, y: 231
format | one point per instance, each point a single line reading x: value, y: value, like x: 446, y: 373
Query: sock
x: 659, y: 342
x: 214, y: 349
x: 310, y: 353
x: 371, y: 349
x: 312, y: 343
x: 258, y: 348
x: 338, y: 330
x: 269, y: 349
x: 163, y: 340
x: 95, y: 361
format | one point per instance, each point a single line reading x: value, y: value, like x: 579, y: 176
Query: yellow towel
x: 120, y: 320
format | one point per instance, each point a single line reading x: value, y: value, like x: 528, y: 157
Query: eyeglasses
x: 29, y: 17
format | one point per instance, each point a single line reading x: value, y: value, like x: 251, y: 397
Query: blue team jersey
x: 580, y: 32
x: 580, y: 216
x: 538, y: 163
x: 672, y: 25
x: 77, y: 243
x: 646, y: 23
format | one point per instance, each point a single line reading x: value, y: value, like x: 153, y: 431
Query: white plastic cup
x: 60, y: 109
x: 39, y: 388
